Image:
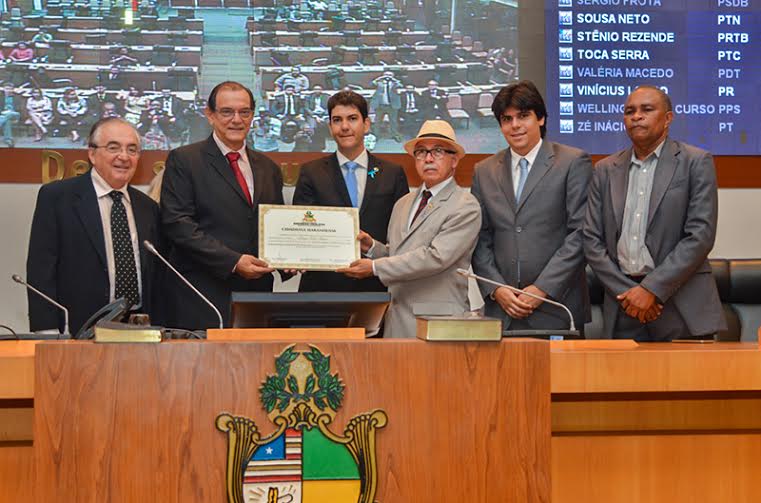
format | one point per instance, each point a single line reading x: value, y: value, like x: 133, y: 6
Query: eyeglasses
x: 229, y: 113
x: 116, y: 148
x: 437, y: 153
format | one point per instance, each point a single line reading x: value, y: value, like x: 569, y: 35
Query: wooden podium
x: 138, y: 422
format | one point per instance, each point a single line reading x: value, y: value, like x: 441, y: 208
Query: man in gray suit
x: 533, y: 195
x: 432, y: 233
x: 650, y: 224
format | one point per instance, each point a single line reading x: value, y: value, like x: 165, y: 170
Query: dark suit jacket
x: 539, y: 239
x: 209, y: 225
x: 67, y: 253
x: 321, y: 183
x: 278, y: 107
x: 681, y: 231
x: 435, y: 107
x: 312, y: 100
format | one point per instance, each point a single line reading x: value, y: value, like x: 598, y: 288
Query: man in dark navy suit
x: 85, y: 245
x: 209, y: 206
x: 350, y: 177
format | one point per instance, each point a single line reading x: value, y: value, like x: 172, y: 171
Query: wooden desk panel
x: 466, y: 422
x: 671, y: 423
x: 610, y: 444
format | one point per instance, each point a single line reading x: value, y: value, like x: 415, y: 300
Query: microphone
x: 149, y: 246
x: 518, y: 290
x: 20, y: 281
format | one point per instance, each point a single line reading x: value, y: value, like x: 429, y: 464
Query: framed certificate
x: 316, y: 238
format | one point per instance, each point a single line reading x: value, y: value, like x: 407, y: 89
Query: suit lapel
x: 542, y: 164
x: 86, y: 207
x: 337, y: 179
x: 255, y: 174
x: 218, y: 162
x: 143, y: 224
x: 619, y: 184
x: 371, y: 184
x: 434, y: 204
x: 505, y: 178
x: 664, y: 172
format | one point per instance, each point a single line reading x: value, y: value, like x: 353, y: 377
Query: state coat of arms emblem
x: 302, y: 461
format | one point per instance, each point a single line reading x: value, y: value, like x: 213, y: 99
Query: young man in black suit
x: 85, y: 246
x: 350, y: 177
x: 209, y: 207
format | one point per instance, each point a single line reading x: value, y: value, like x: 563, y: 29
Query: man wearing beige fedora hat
x: 431, y: 234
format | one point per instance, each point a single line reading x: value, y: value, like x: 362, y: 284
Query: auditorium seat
x: 454, y: 106
x: 738, y: 282
x: 484, y: 107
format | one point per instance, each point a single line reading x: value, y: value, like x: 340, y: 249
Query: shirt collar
x: 225, y: 149
x: 362, y: 159
x: 656, y: 153
x: 436, y: 188
x: 530, y: 157
x: 102, y: 188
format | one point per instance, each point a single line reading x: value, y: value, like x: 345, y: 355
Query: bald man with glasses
x: 209, y: 207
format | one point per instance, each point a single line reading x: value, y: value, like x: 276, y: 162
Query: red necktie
x: 423, y: 203
x: 233, y: 158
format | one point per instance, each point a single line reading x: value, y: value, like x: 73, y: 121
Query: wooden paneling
x: 130, y: 422
x: 16, y: 422
x: 16, y: 369
x: 22, y: 165
x: 658, y: 423
x: 285, y: 334
x: 664, y: 413
x: 17, y: 473
x: 657, y: 367
x: 706, y: 468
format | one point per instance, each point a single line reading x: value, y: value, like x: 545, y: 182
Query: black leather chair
x: 739, y: 284
x: 744, y: 296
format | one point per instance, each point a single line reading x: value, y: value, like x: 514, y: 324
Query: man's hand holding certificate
x: 318, y: 238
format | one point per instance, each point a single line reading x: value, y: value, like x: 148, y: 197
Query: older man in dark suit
x: 650, y: 224
x: 209, y: 207
x: 85, y: 245
x: 350, y: 177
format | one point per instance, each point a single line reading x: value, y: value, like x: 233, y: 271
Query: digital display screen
x: 153, y: 63
x: 704, y: 54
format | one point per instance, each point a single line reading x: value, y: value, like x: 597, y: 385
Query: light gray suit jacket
x: 680, y: 234
x: 538, y: 239
x: 419, y: 264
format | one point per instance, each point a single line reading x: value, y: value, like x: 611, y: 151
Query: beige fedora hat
x: 435, y: 130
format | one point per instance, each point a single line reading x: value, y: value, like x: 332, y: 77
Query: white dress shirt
x: 243, y: 164
x: 102, y: 191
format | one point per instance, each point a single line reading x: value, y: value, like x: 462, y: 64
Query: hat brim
x: 409, y: 147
